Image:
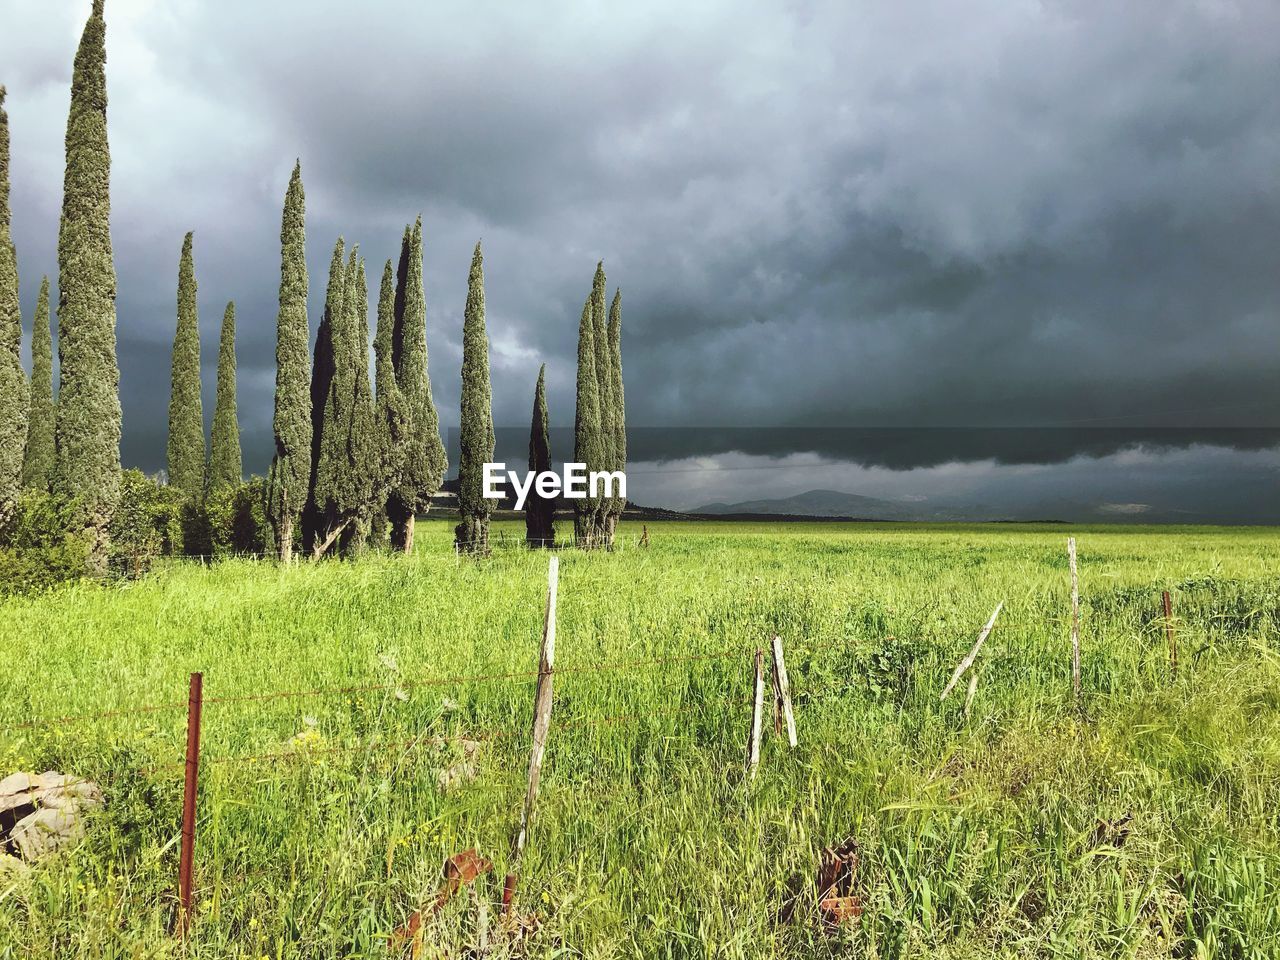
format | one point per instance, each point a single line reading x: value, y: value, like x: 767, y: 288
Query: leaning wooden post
x: 782, y: 691
x: 1168, y: 630
x: 195, y: 700
x: 753, y: 740
x: 1075, y: 618
x: 972, y: 655
x: 541, y: 726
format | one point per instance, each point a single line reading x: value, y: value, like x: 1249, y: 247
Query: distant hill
x: 816, y: 503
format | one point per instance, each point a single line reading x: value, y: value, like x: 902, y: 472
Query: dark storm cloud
x: 901, y: 448
x: 1001, y: 214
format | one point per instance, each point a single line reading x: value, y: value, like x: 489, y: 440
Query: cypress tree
x: 425, y: 460
x: 14, y: 396
x: 586, y: 426
x: 348, y: 451
x: 323, y: 371
x: 364, y: 490
x: 619, y: 450
x: 391, y: 414
x: 600, y: 337
x: 539, y: 512
x: 37, y: 467
x: 475, y: 437
x: 186, y: 450
x: 604, y: 381
x: 88, y: 427
x: 287, y: 482
x: 225, y: 468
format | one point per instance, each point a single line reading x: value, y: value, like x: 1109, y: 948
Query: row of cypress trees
x: 354, y: 462
x: 599, y: 427
x: 600, y: 424
x: 197, y: 469
x: 352, y: 459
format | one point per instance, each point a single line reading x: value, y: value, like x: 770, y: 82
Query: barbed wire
x: 103, y: 715
x: 485, y: 736
x: 464, y: 679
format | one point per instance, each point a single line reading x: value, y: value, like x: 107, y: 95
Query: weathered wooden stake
x: 1168, y: 630
x: 782, y: 693
x: 972, y: 655
x: 753, y: 741
x: 541, y: 726
x: 1075, y: 618
x: 195, y: 700
x: 968, y: 697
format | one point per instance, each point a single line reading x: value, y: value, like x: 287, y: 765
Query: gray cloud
x: 832, y: 214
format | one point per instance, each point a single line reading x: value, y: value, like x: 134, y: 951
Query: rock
x: 40, y: 813
x: 15, y: 791
x: 45, y: 831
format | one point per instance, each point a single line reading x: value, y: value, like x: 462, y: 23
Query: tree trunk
x: 99, y: 549
x: 284, y: 539
x: 410, y: 523
x: 321, y: 546
x: 402, y: 524
x: 472, y: 536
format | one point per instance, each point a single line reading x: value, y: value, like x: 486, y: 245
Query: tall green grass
x: 982, y: 836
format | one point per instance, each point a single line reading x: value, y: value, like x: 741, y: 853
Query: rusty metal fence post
x: 195, y: 700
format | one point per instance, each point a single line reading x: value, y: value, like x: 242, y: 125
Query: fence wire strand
x: 463, y: 679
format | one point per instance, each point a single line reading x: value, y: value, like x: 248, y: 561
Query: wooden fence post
x: 972, y: 655
x: 195, y: 700
x: 1168, y: 630
x: 782, y: 692
x: 753, y: 740
x: 1075, y: 618
x: 541, y: 726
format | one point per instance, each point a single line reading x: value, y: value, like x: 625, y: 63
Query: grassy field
x: 985, y: 836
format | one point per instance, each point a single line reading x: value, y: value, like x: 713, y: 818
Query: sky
x: 1048, y: 215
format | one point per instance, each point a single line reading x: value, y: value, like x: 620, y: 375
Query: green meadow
x: 1140, y: 822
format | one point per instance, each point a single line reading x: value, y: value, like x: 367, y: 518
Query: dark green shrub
x: 148, y: 523
x: 237, y: 521
x: 197, y: 530
x: 36, y: 550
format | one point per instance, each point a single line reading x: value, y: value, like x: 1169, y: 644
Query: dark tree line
x: 355, y: 460
x: 600, y: 421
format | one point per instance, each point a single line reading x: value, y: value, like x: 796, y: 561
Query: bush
x: 236, y: 522
x: 148, y: 523
x: 36, y: 549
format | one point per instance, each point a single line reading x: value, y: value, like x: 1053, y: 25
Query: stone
x: 43, y: 832
x: 41, y: 813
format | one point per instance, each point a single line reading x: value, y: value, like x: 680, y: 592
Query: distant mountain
x: 1013, y: 507
x: 820, y: 503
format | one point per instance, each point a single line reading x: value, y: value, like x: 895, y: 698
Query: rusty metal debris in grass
x: 837, y: 879
x: 460, y: 870
x: 836, y: 885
